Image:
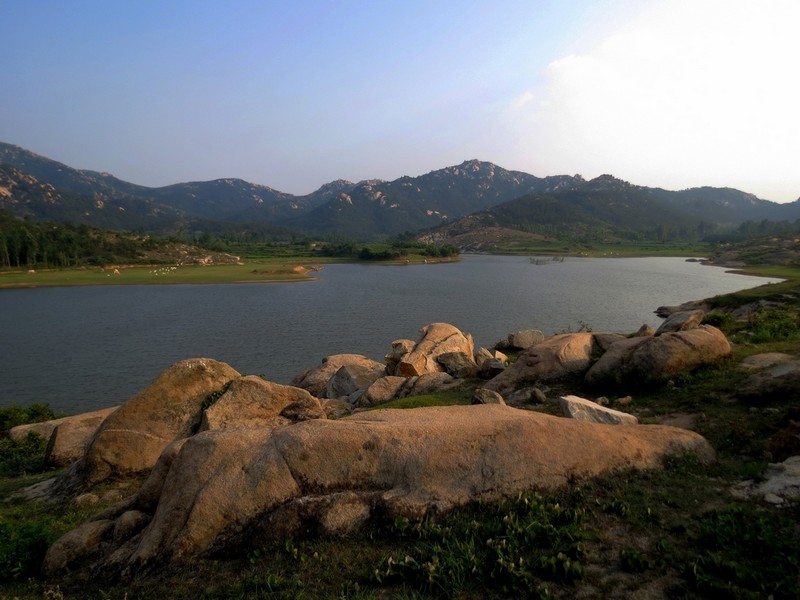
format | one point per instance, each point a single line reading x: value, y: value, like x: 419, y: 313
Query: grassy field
x: 252, y: 271
x: 622, y: 249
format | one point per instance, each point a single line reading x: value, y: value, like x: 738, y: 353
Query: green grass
x: 461, y: 396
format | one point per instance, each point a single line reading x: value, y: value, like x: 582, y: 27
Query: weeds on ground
x: 514, y: 548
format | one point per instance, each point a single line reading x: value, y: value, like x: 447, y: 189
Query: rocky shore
x: 206, y: 460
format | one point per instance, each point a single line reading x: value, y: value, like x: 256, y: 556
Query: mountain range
x: 472, y: 194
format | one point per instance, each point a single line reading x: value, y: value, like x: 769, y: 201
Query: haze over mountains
x: 472, y: 194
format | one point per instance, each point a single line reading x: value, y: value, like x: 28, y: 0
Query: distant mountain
x: 24, y: 195
x: 411, y: 203
x: 91, y: 193
x: 40, y: 188
x: 607, y: 208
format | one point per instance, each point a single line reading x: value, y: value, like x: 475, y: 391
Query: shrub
x: 22, y: 549
x: 25, y: 456
x: 18, y: 415
x: 22, y: 457
x: 770, y: 325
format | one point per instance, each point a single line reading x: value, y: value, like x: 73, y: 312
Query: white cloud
x: 686, y: 93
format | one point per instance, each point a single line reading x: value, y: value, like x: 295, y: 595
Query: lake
x: 85, y: 348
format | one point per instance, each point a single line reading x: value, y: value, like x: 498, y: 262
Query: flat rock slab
x: 582, y: 409
x: 228, y: 489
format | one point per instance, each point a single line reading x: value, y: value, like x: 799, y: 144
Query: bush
x: 770, y: 325
x: 22, y: 549
x: 23, y: 457
x: 18, y: 415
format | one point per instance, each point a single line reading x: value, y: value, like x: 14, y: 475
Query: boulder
x: 582, y: 409
x: 491, y: 368
x: 131, y: 439
x: 437, y: 339
x: 352, y: 378
x: 335, y: 408
x: 399, y: 349
x: 316, y: 380
x: 525, y: 339
x: 494, y: 357
x: 72, y: 435
x: 426, y: 384
x: 226, y: 490
x: 526, y: 395
x: 484, y: 396
x: 645, y: 331
x: 603, y: 341
x: 458, y: 364
x: 682, y: 321
x: 482, y: 354
x: 641, y: 360
x: 382, y: 390
x: 554, y: 358
x: 254, y: 402
x: 43, y: 429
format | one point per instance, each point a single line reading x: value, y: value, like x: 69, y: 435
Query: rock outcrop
x: 229, y: 489
x: 252, y: 402
x: 437, y: 339
x: 71, y: 437
x: 130, y: 440
x: 554, y: 358
x: 640, y: 360
x: 774, y: 375
x: 315, y: 380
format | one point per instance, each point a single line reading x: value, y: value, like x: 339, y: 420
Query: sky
x: 294, y: 94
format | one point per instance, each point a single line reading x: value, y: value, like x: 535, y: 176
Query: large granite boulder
x: 71, y: 436
x: 315, y: 380
x: 226, y: 490
x: 252, y: 402
x: 437, y: 339
x: 130, y: 440
x: 554, y: 358
x: 640, y: 360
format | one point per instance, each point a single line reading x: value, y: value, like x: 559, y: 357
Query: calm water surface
x: 84, y: 348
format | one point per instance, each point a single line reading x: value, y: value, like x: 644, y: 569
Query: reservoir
x: 85, y: 348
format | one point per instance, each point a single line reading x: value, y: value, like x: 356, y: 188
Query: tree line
x: 32, y: 244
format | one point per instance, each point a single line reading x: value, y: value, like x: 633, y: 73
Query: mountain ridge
x: 374, y: 209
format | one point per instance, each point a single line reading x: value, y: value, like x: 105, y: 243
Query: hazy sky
x: 293, y: 94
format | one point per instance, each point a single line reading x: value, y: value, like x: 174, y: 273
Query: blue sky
x: 669, y: 93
